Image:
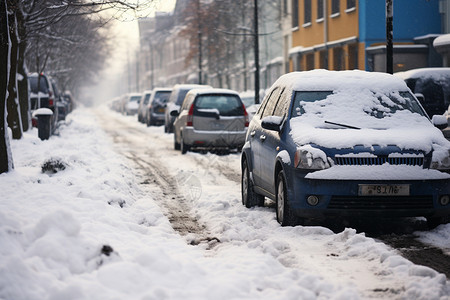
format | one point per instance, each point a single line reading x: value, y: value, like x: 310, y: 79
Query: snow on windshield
x: 357, y: 108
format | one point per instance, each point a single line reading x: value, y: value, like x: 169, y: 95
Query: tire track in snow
x: 165, y: 189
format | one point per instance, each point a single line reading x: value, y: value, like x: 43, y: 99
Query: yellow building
x: 325, y: 42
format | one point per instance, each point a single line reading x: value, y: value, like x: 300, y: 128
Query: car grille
x: 376, y: 203
x: 379, y: 160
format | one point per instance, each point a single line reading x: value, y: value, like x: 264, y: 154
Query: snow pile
x: 75, y: 224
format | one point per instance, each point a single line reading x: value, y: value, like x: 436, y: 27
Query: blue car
x: 346, y: 144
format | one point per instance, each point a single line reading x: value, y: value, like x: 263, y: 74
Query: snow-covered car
x: 157, y: 106
x: 345, y: 144
x: 248, y: 98
x: 210, y: 119
x: 431, y: 85
x: 177, y: 95
x: 131, y: 103
x: 141, y: 114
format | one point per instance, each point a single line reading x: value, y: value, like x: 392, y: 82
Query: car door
x: 270, y: 144
x: 258, y: 136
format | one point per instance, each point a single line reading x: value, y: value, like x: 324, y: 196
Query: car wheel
x: 176, y: 145
x: 249, y: 197
x: 183, y: 147
x: 285, y: 216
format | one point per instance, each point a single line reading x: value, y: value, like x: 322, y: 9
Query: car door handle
x: 262, y: 138
x: 252, y: 134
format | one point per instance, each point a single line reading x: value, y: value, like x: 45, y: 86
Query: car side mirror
x: 272, y: 123
x: 174, y: 113
x: 439, y: 121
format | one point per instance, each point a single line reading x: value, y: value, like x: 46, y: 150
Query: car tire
x: 183, y: 147
x: 284, y: 213
x: 176, y: 145
x: 249, y: 197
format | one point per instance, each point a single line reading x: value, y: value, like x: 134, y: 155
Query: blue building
x: 416, y: 24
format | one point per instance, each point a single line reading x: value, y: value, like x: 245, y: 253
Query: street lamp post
x: 389, y: 37
x: 256, y: 49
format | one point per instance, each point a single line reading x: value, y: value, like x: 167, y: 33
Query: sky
x: 125, y: 42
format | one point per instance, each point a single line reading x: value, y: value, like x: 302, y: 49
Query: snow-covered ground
x: 94, y: 230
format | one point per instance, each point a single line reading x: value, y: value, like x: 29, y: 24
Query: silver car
x: 210, y: 119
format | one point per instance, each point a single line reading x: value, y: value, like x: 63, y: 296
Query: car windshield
x: 34, y: 84
x: 226, y: 105
x: 349, y: 109
x: 135, y: 98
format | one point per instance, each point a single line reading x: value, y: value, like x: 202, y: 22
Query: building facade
x: 351, y: 34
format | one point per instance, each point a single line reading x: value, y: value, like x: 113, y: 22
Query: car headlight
x: 308, y: 157
x: 440, y: 159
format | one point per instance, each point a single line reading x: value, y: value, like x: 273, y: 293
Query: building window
x: 338, y: 59
x: 353, y: 56
x: 310, y: 61
x: 285, y: 7
x: 307, y: 10
x: 320, y: 9
x: 323, y: 59
x: 294, y: 13
x: 351, y: 4
x: 335, y: 7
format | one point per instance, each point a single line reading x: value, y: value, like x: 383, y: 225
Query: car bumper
x: 213, y: 139
x: 157, y: 118
x: 340, y: 198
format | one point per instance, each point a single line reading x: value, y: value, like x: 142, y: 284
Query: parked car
x: 157, y: 106
x: 142, y: 109
x: 210, y: 119
x: 248, y: 98
x: 432, y: 86
x: 70, y: 100
x: 42, y: 95
x: 130, y: 103
x: 345, y: 144
x: 177, y: 95
x: 61, y: 104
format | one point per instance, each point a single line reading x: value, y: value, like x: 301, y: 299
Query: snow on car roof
x: 436, y: 73
x: 212, y: 91
x: 338, y: 80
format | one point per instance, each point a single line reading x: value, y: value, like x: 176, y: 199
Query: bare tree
x: 22, y: 21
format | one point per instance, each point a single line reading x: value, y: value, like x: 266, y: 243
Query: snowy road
x: 200, y: 195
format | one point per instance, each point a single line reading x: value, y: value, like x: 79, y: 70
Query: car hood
x: 420, y: 137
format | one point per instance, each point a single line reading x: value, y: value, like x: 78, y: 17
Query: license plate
x: 383, y: 190
x: 160, y: 110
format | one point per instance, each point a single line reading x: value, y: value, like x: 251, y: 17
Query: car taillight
x: 50, y: 99
x: 245, y: 115
x: 190, y: 116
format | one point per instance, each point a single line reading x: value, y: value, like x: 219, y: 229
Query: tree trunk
x: 5, y: 151
x: 12, y: 105
x: 22, y: 84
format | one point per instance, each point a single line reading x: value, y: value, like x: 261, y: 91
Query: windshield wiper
x: 342, y: 125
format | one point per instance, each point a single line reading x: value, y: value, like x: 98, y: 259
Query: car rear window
x: 161, y: 97
x: 135, y: 98
x: 227, y: 105
x: 34, y: 84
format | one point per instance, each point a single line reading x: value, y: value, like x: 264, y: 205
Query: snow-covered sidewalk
x: 91, y: 231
